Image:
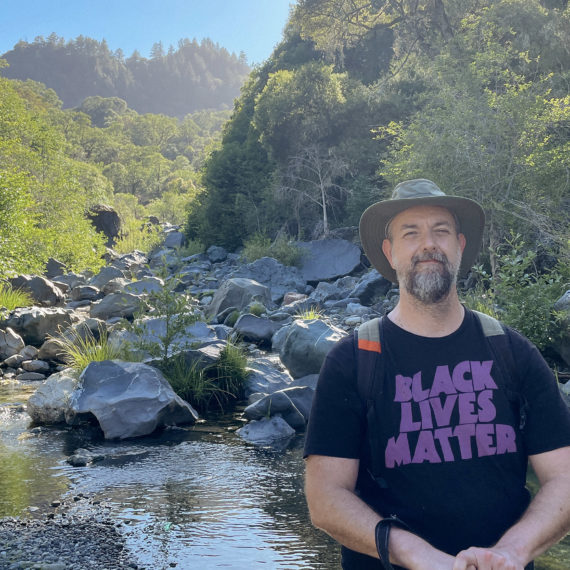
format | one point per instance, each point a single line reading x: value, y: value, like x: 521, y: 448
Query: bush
x: 11, y: 299
x: 137, y: 235
x: 281, y: 249
x: 213, y: 386
x: 519, y: 295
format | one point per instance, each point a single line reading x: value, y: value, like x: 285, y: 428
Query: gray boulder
x: 105, y: 275
x: 265, y: 376
x: 116, y: 305
x: 174, y: 239
x: 256, y: 329
x: 371, y: 288
x: 85, y: 293
x: 239, y: 293
x: 54, y: 268
x: 145, y: 286
x: 129, y: 399
x: 48, y: 404
x: 266, y: 431
x: 11, y: 343
x: 328, y: 259
x: 106, y: 221
x: 34, y: 324
x: 269, y: 272
x: 292, y: 404
x: 306, y: 345
x: 42, y: 290
x: 216, y: 254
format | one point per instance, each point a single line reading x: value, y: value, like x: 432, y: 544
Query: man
x: 434, y: 478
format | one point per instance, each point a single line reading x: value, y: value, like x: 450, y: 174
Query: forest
x: 358, y: 95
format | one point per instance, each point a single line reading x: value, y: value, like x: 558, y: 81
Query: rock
x: 256, y: 329
x: 106, y: 274
x: 85, y: 293
x: 306, y: 345
x: 372, y: 288
x: 80, y: 458
x: 42, y: 290
x: 291, y: 297
x: 292, y: 404
x: 239, y: 293
x: 264, y: 376
x: 54, y: 268
x: 116, y: 305
x: 266, y: 431
x: 11, y: 343
x: 216, y: 254
x: 30, y: 377
x: 131, y: 262
x: 563, y: 304
x: 48, y: 404
x: 326, y: 291
x: 129, y: 399
x: 14, y: 361
x: 69, y: 280
x: 174, y: 240
x: 145, y: 286
x: 29, y: 352
x: 40, y: 366
x: 277, y: 277
x: 34, y: 324
x: 328, y: 259
x: 106, y: 221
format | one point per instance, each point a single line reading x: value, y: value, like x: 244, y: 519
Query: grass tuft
x: 11, y: 298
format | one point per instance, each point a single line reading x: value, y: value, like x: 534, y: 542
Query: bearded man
x: 428, y: 471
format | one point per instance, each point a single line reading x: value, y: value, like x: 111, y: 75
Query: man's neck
x: 428, y: 319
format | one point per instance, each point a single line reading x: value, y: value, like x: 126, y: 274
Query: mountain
x: 176, y: 82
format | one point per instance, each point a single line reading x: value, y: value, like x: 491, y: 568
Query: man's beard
x: 432, y: 284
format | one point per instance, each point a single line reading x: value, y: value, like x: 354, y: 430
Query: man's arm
x: 336, y: 509
x: 544, y: 523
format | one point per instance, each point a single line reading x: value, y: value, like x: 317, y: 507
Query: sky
x: 251, y: 26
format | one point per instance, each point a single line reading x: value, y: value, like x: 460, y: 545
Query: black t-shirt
x: 451, y: 453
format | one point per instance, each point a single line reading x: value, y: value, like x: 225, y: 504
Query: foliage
x: 309, y: 314
x: 518, y: 294
x: 137, y: 235
x: 281, y: 249
x: 78, y: 346
x: 11, y: 298
x: 213, y: 386
x: 177, y: 314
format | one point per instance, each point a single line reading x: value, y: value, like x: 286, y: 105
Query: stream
x: 198, y: 497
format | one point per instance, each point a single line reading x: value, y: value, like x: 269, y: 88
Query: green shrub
x: 136, y: 235
x: 257, y: 309
x: 518, y: 294
x: 309, y: 314
x: 11, y: 298
x: 213, y: 386
x: 281, y: 249
x: 192, y: 247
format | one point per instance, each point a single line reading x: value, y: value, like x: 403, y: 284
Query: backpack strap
x: 499, y: 343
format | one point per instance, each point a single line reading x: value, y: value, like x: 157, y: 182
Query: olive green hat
x: 419, y: 192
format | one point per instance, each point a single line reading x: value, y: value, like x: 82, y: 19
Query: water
x: 191, y: 498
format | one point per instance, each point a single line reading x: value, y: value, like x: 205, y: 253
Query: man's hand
x: 486, y: 559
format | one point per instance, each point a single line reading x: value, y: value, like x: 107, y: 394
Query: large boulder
x: 106, y: 221
x: 34, y: 324
x: 306, y: 345
x: 265, y: 377
x: 174, y: 239
x: 266, y: 431
x: 10, y: 343
x: 328, y: 259
x: 145, y: 286
x: 106, y: 274
x: 42, y: 290
x: 256, y: 329
x: 292, y: 404
x: 129, y: 399
x: 371, y: 288
x: 116, y: 305
x: 269, y: 272
x: 238, y: 293
x: 49, y: 403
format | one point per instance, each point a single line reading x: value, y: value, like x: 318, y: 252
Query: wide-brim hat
x: 419, y: 192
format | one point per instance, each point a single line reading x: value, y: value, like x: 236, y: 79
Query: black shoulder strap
x: 499, y: 343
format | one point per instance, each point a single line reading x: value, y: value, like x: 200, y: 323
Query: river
x: 190, y: 498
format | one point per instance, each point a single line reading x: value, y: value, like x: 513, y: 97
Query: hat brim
x: 375, y: 218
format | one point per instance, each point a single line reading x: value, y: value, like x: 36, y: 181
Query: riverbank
x: 76, y: 534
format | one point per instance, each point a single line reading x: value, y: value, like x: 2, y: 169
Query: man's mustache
x: 430, y: 256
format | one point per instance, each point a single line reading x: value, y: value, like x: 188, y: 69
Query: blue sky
x: 251, y: 26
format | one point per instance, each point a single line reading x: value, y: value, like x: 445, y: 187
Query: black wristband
x: 382, y: 536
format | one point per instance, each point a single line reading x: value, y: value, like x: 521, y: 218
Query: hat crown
x: 418, y: 188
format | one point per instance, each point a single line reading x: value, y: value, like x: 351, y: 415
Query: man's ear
x: 387, y: 250
x: 462, y: 242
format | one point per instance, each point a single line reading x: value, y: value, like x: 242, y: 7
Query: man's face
x: 425, y: 251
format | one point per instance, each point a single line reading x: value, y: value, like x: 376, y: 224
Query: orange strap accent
x: 370, y: 345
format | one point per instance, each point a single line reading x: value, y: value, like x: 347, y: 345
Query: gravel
x: 74, y: 535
